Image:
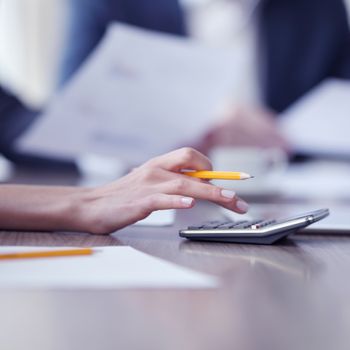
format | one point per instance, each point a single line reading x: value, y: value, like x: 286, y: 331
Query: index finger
x: 184, y: 158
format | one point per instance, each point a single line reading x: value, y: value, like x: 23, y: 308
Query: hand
x: 245, y: 127
x: 156, y: 185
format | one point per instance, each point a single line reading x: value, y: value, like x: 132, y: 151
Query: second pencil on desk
x: 218, y: 175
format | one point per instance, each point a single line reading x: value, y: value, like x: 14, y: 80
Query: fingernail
x: 187, y: 201
x: 242, y: 206
x: 228, y: 194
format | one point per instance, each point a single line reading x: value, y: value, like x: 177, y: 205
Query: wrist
x: 75, y: 208
x: 84, y: 211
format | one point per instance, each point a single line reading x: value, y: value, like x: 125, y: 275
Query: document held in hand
x: 139, y: 94
x: 319, y: 123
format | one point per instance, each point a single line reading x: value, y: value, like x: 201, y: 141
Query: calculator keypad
x: 227, y: 225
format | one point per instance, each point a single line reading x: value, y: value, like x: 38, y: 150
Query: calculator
x: 253, y: 231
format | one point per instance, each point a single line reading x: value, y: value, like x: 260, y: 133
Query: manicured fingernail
x: 187, y: 201
x: 228, y: 194
x: 242, y: 206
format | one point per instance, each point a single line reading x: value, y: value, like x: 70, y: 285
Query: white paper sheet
x: 337, y: 222
x: 320, y: 122
x: 110, y: 267
x: 317, y: 180
x: 139, y: 94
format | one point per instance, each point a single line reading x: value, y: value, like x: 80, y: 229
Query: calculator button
x: 210, y: 226
x: 233, y: 224
x: 225, y: 226
x: 262, y: 224
x: 240, y: 222
x: 241, y: 226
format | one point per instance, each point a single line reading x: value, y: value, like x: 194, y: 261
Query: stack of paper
x: 109, y: 267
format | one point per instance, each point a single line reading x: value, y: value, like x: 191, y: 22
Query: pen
x: 218, y: 175
x: 46, y: 254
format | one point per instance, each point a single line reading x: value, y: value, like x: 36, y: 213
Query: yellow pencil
x: 46, y: 253
x: 218, y: 175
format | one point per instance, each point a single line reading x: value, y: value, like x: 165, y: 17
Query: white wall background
x: 31, y: 33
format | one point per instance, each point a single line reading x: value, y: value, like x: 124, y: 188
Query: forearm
x: 156, y: 185
x: 41, y: 208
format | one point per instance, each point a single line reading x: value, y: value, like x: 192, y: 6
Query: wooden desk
x: 294, y: 295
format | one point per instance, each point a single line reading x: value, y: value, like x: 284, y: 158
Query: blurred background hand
x: 245, y: 126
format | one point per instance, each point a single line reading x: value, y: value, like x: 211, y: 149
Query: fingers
x: 184, y: 158
x: 205, y: 191
x: 161, y: 201
x: 248, y: 127
x: 237, y: 205
x: 270, y: 137
x: 168, y: 188
x: 268, y: 134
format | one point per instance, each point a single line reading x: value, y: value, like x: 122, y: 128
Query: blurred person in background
x: 295, y: 44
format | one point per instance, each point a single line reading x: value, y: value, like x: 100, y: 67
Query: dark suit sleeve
x: 87, y: 25
x: 89, y: 20
x: 304, y: 43
x: 341, y: 65
x: 15, y: 118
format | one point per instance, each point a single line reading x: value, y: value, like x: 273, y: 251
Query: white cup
x: 266, y: 165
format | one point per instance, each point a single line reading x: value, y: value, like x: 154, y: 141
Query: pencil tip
x: 245, y: 176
